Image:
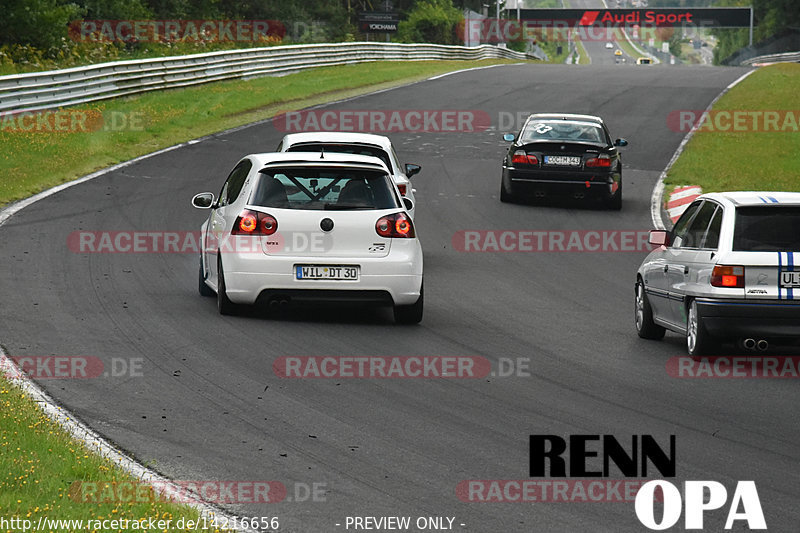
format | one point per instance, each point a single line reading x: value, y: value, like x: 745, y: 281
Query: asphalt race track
x: 209, y: 407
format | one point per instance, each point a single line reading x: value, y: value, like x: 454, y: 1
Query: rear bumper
x: 552, y: 182
x: 742, y: 318
x: 393, y: 279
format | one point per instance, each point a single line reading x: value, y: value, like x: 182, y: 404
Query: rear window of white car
x: 324, y: 189
x: 343, y: 148
x: 768, y: 228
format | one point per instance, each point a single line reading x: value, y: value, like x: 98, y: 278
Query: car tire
x: 410, y: 314
x: 204, y: 289
x: 224, y: 305
x: 615, y: 202
x: 505, y: 197
x: 643, y: 316
x: 698, y: 341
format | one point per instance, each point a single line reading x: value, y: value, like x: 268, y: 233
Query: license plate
x: 565, y: 160
x: 335, y: 272
x: 790, y: 280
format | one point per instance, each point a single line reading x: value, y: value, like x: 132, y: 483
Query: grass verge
x: 747, y: 159
x: 42, y: 470
x: 626, y: 47
x: 583, y: 55
x: 551, y: 49
x: 121, y: 129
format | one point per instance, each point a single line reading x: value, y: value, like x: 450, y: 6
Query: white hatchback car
x: 310, y: 227
x: 728, y: 270
x: 357, y: 143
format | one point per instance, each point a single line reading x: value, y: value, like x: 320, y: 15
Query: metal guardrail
x: 47, y: 90
x: 788, y: 57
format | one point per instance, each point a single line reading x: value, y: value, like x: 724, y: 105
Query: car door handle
x: 686, y: 270
x: 666, y: 268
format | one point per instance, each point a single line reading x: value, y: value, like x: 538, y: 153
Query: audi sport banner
x: 378, y: 22
x: 709, y: 17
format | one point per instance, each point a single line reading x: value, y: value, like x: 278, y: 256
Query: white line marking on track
x: 658, y: 191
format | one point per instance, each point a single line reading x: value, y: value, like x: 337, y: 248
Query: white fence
x: 48, y: 90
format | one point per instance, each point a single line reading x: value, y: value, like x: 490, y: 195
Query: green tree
x: 431, y: 21
x: 114, y: 9
x: 38, y: 23
x: 770, y: 17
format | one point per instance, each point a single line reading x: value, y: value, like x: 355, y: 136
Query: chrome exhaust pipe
x: 750, y: 344
x: 284, y: 304
x: 273, y: 304
x: 762, y: 345
x: 578, y: 196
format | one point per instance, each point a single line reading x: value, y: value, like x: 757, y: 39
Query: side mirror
x: 204, y: 200
x: 412, y: 169
x: 658, y: 237
x: 509, y: 137
x: 620, y: 142
x: 408, y: 203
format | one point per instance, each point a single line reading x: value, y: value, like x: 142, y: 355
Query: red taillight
x: 403, y: 226
x: 731, y: 277
x: 397, y: 225
x: 522, y: 157
x: 254, y: 223
x: 402, y: 188
x: 247, y: 223
x: 602, y: 161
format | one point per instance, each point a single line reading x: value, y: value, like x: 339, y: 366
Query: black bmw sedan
x: 558, y: 154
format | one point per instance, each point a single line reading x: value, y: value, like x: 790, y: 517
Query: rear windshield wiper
x: 334, y: 207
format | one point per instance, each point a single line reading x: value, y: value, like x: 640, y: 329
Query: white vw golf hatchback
x: 358, y: 143
x: 292, y: 227
x: 728, y: 270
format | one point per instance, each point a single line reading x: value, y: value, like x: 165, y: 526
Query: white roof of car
x: 742, y: 198
x: 318, y: 158
x: 338, y: 137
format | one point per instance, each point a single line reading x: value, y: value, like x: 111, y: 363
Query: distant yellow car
x: 644, y: 61
x: 617, y: 52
